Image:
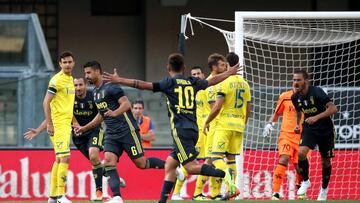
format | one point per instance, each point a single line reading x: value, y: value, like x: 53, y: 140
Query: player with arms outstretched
x: 180, y: 92
x: 318, y: 129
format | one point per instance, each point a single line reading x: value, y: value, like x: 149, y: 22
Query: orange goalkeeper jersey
x: 285, y: 106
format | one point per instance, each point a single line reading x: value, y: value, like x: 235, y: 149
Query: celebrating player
x: 122, y: 132
x: 318, y: 129
x: 180, y: 92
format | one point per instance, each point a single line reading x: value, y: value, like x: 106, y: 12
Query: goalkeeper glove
x: 268, y: 129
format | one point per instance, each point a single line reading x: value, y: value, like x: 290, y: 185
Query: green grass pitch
x: 189, y: 201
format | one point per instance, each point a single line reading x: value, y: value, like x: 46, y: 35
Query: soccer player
x: 147, y: 132
x: 58, y: 107
x: 318, y: 129
x: 89, y: 143
x: 200, y: 99
x: 233, y: 108
x: 180, y: 92
x: 122, y: 132
x: 288, y: 142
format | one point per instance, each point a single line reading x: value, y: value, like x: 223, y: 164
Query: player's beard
x: 299, y: 87
x: 90, y: 81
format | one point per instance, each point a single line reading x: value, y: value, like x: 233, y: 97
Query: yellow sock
x: 232, y: 164
x: 61, y: 176
x: 178, y: 186
x: 200, y: 182
x: 215, y: 186
x: 53, y: 178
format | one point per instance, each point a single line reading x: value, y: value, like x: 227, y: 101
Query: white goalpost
x: 271, y: 45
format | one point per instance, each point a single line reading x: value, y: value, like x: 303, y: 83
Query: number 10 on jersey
x: 188, y: 92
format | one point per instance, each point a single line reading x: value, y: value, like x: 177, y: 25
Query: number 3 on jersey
x: 239, y: 99
x: 188, y: 92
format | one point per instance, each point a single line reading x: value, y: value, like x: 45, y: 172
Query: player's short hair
x: 94, y: 65
x: 303, y: 72
x: 176, y: 62
x: 138, y: 101
x: 232, y: 58
x: 66, y: 54
x: 196, y: 67
x: 214, y: 58
x: 80, y: 77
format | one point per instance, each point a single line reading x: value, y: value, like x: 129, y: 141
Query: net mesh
x: 329, y: 49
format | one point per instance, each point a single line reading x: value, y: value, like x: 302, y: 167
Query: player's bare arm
x: 139, y: 84
x: 298, y: 120
x: 46, y: 105
x: 125, y: 105
x: 92, y: 124
x: 213, y: 113
x: 33, y: 132
x: 331, y: 109
x: 220, y: 77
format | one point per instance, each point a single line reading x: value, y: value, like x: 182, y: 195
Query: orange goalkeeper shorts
x: 288, y: 144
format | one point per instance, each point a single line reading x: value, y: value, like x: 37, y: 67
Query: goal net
x: 271, y: 46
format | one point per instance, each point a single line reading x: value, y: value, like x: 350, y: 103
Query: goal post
x: 271, y: 46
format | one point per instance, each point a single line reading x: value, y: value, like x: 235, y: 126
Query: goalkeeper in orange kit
x: 288, y: 142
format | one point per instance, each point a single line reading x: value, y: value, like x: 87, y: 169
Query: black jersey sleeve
x: 200, y: 84
x: 161, y: 86
x: 322, y: 96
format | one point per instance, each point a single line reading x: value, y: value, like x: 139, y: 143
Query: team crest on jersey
x: 299, y: 102
x: 91, y: 106
x: 82, y: 105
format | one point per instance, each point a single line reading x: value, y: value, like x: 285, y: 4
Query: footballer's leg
x: 285, y: 152
x: 171, y: 164
x: 62, y: 149
x: 132, y: 146
x: 326, y: 148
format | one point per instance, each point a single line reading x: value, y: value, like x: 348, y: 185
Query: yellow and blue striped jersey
x: 62, y: 104
x: 233, y: 112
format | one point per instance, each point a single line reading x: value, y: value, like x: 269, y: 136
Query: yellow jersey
x: 236, y: 92
x: 62, y: 104
x: 210, y: 94
x: 201, y: 103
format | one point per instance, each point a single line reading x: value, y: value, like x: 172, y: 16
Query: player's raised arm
x: 139, y: 84
x: 222, y: 76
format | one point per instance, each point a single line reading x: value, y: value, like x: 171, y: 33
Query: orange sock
x: 278, y: 177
